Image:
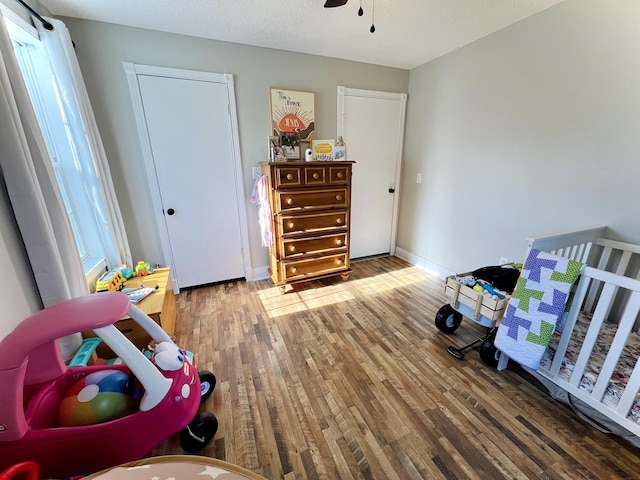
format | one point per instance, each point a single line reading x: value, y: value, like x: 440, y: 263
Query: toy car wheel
x: 199, y: 432
x: 489, y: 354
x: 207, y: 384
x: 448, y: 319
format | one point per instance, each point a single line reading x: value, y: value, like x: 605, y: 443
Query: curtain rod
x: 45, y: 24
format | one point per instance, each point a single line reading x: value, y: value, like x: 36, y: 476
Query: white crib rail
x: 611, y: 284
x: 574, y: 245
x: 611, y: 256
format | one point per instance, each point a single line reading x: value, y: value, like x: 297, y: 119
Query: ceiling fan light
x: 334, y: 3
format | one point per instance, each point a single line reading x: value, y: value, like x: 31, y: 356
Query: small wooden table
x: 159, y: 305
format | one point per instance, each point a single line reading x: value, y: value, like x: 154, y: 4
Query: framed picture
x: 293, y: 111
x: 276, y: 150
x: 322, y: 149
x: 291, y: 145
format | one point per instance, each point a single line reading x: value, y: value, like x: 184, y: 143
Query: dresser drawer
x: 300, y: 246
x: 315, y: 176
x: 339, y: 175
x: 299, y: 269
x: 313, y: 199
x: 317, y: 222
x: 288, y: 177
x: 295, y: 176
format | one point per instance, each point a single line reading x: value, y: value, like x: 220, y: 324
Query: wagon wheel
x: 207, y: 384
x: 199, y: 432
x: 448, y: 319
x: 489, y: 354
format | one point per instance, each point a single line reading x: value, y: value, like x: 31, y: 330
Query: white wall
x: 101, y: 48
x: 534, y: 129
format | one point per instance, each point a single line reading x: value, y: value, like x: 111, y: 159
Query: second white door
x: 372, y: 125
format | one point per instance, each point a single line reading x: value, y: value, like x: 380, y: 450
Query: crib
x: 591, y: 362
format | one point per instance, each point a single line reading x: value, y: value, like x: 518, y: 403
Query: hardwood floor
x: 351, y: 379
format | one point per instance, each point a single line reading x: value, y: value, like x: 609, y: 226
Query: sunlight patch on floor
x: 277, y: 304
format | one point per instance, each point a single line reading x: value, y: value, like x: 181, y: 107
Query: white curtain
x: 31, y: 184
x: 34, y: 194
x: 88, y: 143
x: 33, y: 190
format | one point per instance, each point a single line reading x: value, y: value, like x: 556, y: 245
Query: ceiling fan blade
x: 334, y: 3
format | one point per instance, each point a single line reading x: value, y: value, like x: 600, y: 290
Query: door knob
x: 392, y: 190
x: 170, y: 211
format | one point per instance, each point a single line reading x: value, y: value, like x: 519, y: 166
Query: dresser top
x: 314, y: 162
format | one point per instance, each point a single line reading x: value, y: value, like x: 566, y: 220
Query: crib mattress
x: 621, y: 374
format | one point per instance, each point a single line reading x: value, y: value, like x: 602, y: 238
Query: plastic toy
x: 34, y: 381
x: 143, y: 269
x: 24, y: 471
x: 126, y: 271
x: 110, y: 281
x: 486, y: 286
x: 99, y: 397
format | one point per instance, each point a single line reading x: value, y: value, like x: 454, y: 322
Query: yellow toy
x: 110, y: 281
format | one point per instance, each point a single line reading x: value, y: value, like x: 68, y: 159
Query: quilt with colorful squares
x: 538, y: 301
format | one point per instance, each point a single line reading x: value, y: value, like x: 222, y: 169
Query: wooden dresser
x: 311, y: 211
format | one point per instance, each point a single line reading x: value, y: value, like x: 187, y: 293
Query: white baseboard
x: 260, y: 273
x: 424, y: 264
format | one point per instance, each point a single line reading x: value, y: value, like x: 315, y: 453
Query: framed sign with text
x: 293, y: 112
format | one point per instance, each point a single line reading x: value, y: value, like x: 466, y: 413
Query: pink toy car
x: 34, y: 380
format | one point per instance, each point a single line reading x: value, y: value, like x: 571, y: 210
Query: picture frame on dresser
x: 293, y: 111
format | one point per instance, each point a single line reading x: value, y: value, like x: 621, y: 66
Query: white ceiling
x: 408, y: 33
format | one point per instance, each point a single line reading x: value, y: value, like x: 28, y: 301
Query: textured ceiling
x: 408, y: 33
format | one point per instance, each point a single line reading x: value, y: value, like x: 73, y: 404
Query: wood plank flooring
x: 351, y: 379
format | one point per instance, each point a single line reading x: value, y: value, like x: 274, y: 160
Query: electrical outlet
x: 419, y: 178
x: 503, y: 260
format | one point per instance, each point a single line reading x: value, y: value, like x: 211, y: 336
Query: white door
x: 190, y: 138
x: 372, y: 125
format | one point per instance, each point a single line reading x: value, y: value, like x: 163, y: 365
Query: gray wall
x: 101, y: 48
x: 534, y: 129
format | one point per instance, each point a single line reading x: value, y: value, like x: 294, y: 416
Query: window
x: 71, y: 164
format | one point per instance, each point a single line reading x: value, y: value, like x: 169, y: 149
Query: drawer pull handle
x: 339, y: 221
x: 338, y: 197
x: 289, y: 176
x: 338, y: 242
x: 291, y: 225
x: 316, y: 176
x: 294, y: 269
x: 289, y: 201
x: 292, y: 248
x: 339, y: 261
x: 339, y: 174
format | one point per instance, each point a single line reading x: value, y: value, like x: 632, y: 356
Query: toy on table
x: 110, y: 281
x: 143, y: 269
x: 126, y: 271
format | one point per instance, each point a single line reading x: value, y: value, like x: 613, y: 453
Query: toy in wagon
x: 481, y: 295
x: 85, y: 418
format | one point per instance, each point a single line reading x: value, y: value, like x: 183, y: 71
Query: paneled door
x: 188, y: 126
x: 372, y: 125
